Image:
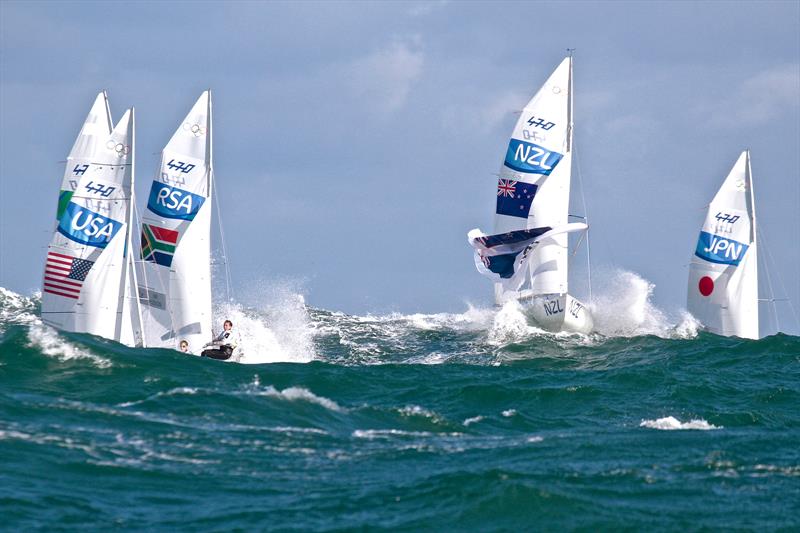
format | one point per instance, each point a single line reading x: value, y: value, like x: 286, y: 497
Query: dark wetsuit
x: 225, y: 347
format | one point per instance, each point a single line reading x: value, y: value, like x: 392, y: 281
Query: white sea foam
x: 172, y: 392
x: 623, y: 307
x: 274, y: 326
x: 671, y: 423
x: 472, y: 420
x: 510, y: 324
x: 297, y: 394
x: 48, y: 342
x: 389, y: 433
x: 509, y: 412
x: 416, y: 410
x: 16, y: 309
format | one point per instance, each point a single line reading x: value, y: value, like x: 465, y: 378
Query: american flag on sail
x: 64, y: 275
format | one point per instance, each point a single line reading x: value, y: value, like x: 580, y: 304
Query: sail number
x: 98, y: 188
x: 180, y: 166
x: 725, y: 217
x: 540, y: 123
x: 80, y: 170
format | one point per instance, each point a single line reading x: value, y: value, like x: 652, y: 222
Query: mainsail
x: 723, y: 276
x: 527, y: 256
x: 175, y: 274
x: 533, y: 187
x: 87, y: 267
x: 95, y: 130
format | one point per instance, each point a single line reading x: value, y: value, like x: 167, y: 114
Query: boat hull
x: 559, y: 312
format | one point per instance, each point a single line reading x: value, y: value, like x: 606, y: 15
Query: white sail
x: 533, y: 189
x: 95, y: 130
x: 175, y: 274
x: 723, y: 276
x: 85, y: 268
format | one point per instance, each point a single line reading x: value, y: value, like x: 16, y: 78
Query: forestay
x: 534, y: 182
x: 175, y: 274
x: 723, y: 277
x: 86, y: 269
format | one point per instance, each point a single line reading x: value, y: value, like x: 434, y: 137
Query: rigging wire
x: 772, y: 299
x: 585, y: 218
x: 228, y: 294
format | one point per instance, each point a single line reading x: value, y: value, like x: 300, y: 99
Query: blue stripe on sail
x: 716, y: 249
x: 87, y: 227
x: 172, y: 202
x: 530, y: 158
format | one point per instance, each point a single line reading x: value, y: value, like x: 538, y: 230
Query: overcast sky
x: 357, y: 143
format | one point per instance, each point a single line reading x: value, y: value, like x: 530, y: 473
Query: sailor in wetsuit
x: 223, y: 345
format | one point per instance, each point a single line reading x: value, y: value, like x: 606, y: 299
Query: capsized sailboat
x: 722, y: 291
x: 175, y: 267
x: 88, y: 274
x: 531, y: 215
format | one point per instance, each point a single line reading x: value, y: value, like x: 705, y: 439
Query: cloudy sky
x: 357, y: 143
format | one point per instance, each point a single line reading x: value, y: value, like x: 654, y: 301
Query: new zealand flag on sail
x: 502, y: 265
x: 514, y: 197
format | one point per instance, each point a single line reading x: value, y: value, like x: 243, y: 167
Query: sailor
x: 223, y: 345
x: 184, y: 346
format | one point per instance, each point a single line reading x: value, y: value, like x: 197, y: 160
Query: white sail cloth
x: 175, y: 271
x: 534, y: 183
x: 86, y: 269
x: 722, y: 290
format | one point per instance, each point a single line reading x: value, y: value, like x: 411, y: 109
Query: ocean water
x: 470, y: 421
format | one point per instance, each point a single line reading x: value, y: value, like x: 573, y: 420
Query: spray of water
x: 274, y: 325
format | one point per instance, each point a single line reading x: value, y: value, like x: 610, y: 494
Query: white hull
x: 559, y: 312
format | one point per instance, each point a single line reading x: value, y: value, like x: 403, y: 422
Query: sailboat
x: 175, y: 267
x: 527, y: 254
x: 722, y: 291
x: 89, y: 276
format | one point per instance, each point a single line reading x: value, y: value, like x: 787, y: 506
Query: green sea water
x: 473, y: 421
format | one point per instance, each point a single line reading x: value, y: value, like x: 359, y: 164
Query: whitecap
x: 298, y: 394
x: 48, y: 342
x: 670, y: 423
x: 472, y: 420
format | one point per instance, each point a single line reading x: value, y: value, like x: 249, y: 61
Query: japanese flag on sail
x: 64, y: 275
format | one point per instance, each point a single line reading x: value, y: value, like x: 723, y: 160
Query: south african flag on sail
x: 158, y: 244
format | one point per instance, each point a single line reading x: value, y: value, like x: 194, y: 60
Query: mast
x: 570, y: 122
x: 108, y: 112
x: 128, y: 287
x: 138, y: 334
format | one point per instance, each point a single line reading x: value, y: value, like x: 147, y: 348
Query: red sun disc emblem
x: 706, y: 285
